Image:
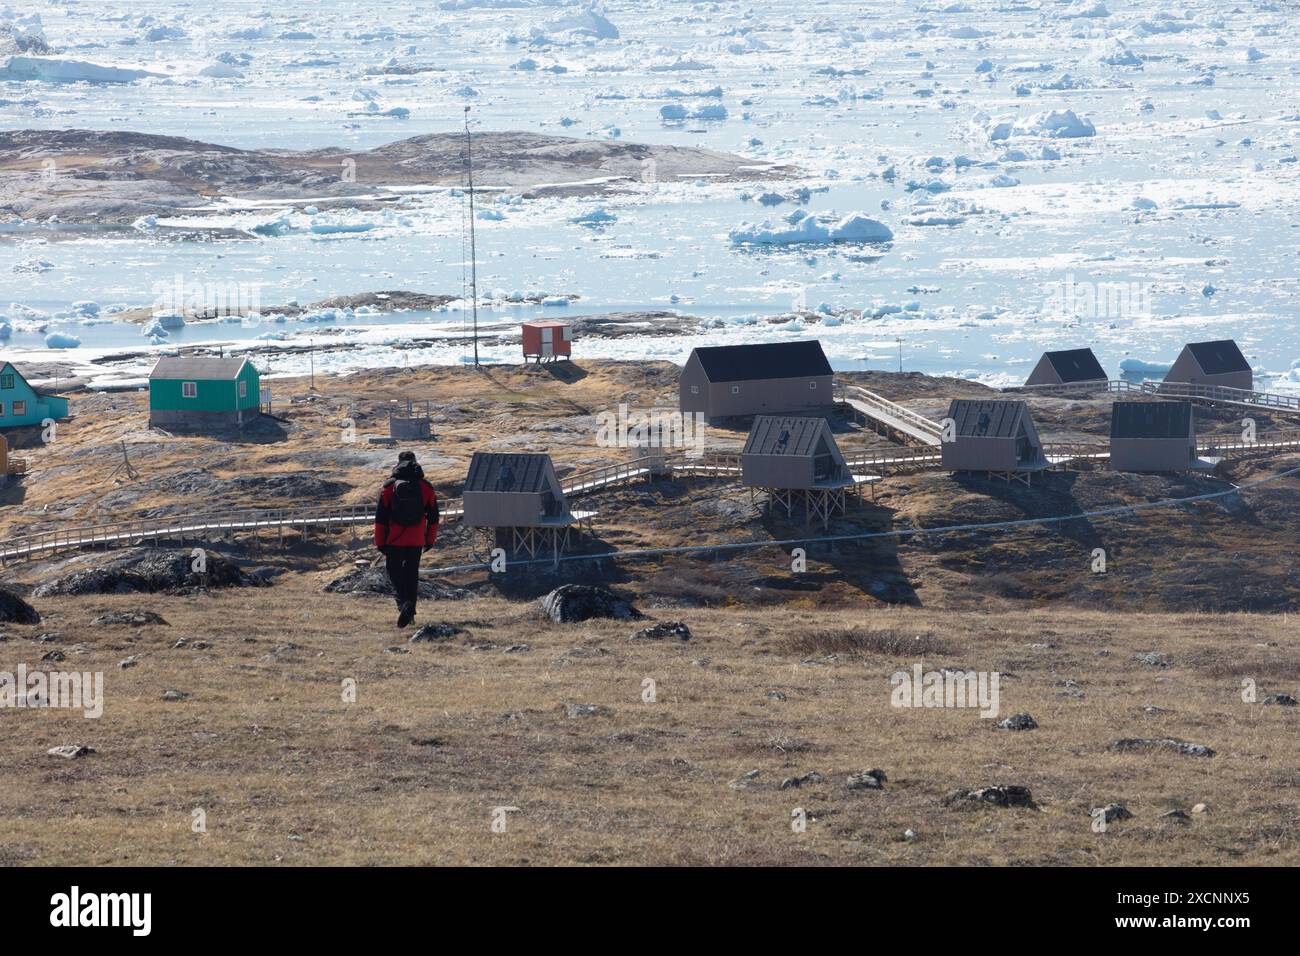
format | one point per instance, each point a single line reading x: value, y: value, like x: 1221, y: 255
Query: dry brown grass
x: 439, y: 736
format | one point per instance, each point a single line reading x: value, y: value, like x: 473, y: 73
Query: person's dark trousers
x: 404, y: 571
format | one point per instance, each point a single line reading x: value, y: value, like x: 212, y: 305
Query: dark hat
x: 406, y: 456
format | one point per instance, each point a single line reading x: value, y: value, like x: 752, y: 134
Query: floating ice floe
x: 819, y: 228
x: 61, y: 340
x: 33, y: 266
x: 49, y: 69
x: 595, y: 217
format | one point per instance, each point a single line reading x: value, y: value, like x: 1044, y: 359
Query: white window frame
x: 243, y: 388
x: 812, y: 384
x: 695, y: 390
x: 20, y: 408
x: 189, y: 389
x: 735, y: 390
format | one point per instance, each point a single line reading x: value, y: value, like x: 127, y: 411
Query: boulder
x: 570, y: 603
x: 1018, y: 722
x: 14, y: 610
x: 70, y: 751
x: 867, y: 780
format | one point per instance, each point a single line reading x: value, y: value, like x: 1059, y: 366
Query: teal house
x: 20, y: 404
x: 203, y: 392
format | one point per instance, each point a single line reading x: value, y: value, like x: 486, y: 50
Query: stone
x: 129, y: 661
x: 790, y: 783
x: 1281, y: 700
x: 71, y: 751
x: 1153, y: 658
x: 436, y: 632
x: 1177, y: 816
x: 570, y: 603
x: 742, y: 782
x: 664, y: 630
x: 1201, y: 808
x: 1130, y: 744
x: 582, y: 710
x: 1018, y: 722
x: 174, y: 695
x: 1112, y: 812
x: 129, y: 619
x: 14, y: 610
x: 1003, y: 795
x: 873, y: 779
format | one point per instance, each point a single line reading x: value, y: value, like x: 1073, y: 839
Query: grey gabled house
x: 792, y: 452
x: 993, y: 436
x: 726, y: 381
x: 1212, y: 363
x: 1152, y: 436
x: 1067, y: 367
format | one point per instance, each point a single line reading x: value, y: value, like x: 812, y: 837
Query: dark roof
x: 489, y: 471
x: 986, y: 419
x: 1076, y: 365
x: 1150, y: 419
x: 745, y: 363
x: 783, y: 435
x: 1217, y: 358
x: 196, y: 368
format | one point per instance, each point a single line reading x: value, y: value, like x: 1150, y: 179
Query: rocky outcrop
x: 14, y: 610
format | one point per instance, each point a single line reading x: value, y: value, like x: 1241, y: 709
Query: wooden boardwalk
x: 890, y: 416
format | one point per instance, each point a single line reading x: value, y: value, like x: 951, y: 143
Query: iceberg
x: 60, y: 340
x: 821, y: 228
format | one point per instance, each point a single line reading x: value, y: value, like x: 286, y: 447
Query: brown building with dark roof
x: 733, y: 380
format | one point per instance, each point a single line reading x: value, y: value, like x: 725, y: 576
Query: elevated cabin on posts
x: 518, y: 501
x: 993, y: 436
x: 795, y: 460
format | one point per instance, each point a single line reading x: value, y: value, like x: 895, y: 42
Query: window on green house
x: 6, y: 381
x: 189, y: 389
x: 243, y: 390
x: 20, y: 409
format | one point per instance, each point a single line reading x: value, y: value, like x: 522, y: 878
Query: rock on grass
x: 570, y: 603
x: 1003, y: 795
x: 1132, y: 744
x: 70, y: 751
x: 14, y: 610
x: 664, y: 630
x: 128, y: 619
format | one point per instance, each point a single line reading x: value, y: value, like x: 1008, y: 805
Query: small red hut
x: 547, y: 340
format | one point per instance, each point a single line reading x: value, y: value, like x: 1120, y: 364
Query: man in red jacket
x: 406, y: 524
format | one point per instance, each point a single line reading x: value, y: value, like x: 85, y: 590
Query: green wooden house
x: 21, y: 404
x: 199, y: 393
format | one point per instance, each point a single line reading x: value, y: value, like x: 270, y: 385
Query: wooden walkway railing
x: 1220, y: 394
x: 890, y: 415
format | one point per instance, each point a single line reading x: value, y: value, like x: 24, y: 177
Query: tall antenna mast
x: 473, y: 252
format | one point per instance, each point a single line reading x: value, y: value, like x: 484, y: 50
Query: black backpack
x: 408, y: 502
